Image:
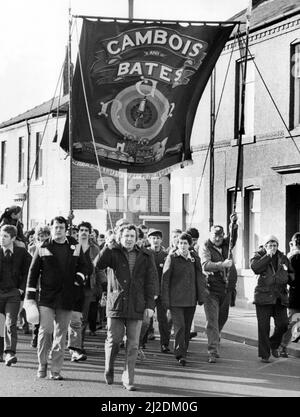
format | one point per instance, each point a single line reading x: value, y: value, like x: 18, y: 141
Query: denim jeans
x: 75, y: 331
x: 116, y: 329
x: 264, y: 314
x: 9, y: 306
x: 286, y: 338
x: 216, y: 309
x: 79, y: 322
x: 182, y: 319
x: 88, y: 296
x: 52, y: 322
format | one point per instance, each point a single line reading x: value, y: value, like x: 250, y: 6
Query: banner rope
x: 105, y: 199
x: 215, y: 120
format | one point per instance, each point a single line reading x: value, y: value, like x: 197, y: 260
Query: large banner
x: 143, y: 83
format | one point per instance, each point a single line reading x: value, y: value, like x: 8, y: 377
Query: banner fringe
x: 121, y: 173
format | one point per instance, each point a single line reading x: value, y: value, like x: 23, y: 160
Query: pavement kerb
x: 234, y: 337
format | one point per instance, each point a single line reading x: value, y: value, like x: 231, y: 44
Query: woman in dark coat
x: 12, y: 215
x: 183, y: 285
x: 294, y: 292
x: 270, y: 296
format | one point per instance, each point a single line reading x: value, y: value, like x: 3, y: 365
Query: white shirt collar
x: 10, y: 247
x: 189, y: 256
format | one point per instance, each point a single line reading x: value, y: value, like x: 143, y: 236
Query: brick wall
x: 145, y: 197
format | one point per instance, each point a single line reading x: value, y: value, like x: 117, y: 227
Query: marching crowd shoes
x: 56, y: 376
x: 42, y: 371
x: 78, y: 357
x: 129, y: 387
x: 10, y: 358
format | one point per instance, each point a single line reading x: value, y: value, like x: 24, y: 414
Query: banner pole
x: 126, y: 214
x: 211, y: 146
x: 71, y: 216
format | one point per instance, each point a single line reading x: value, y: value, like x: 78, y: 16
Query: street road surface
x: 238, y: 373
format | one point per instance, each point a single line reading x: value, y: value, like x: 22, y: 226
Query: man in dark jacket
x: 14, y: 265
x: 294, y: 292
x: 271, y: 295
x: 130, y: 299
x: 221, y: 282
x: 163, y: 315
x: 58, y: 265
x: 92, y: 286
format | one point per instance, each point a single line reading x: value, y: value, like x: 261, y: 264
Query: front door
x: 292, y: 212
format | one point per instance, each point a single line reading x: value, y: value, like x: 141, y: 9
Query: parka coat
x: 271, y: 284
x: 128, y: 295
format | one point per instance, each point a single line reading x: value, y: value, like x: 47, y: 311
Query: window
x: 3, y: 162
x: 21, y: 166
x: 39, y: 157
x: 248, y: 209
x: 295, y: 86
x: 249, y: 97
x: 254, y: 220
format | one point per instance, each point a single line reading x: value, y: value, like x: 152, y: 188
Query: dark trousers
x: 182, y: 320
x: 164, y: 323
x: 9, y: 306
x: 92, y: 317
x: 264, y: 314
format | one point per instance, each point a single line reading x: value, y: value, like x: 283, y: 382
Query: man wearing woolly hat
x: 270, y: 295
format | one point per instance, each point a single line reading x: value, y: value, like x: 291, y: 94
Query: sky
x: 34, y: 35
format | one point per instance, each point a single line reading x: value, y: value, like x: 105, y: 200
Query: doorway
x: 292, y: 212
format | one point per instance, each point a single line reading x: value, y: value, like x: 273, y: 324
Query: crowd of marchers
x: 65, y: 280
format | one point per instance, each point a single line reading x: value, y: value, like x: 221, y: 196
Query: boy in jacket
x: 14, y: 265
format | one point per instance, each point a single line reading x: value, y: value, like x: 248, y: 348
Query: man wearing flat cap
x: 160, y: 254
x: 221, y: 281
x: 270, y: 295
